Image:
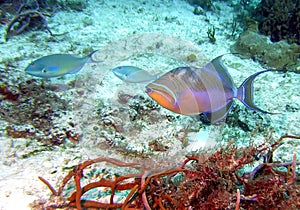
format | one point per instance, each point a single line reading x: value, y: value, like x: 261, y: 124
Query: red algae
x: 201, y: 181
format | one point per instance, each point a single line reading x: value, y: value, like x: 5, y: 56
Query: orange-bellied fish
x: 132, y: 74
x: 56, y: 65
x: 209, y: 90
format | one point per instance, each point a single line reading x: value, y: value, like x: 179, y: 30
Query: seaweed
x: 211, y: 34
x: 202, y: 181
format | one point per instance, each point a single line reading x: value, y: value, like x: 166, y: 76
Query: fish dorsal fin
x: 220, y: 114
x: 217, y: 64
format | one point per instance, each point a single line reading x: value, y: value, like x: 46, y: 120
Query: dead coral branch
x: 22, y: 21
x: 28, y: 15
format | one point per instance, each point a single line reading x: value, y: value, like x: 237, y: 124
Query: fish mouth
x: 148, y: 90
x: 30, y: 72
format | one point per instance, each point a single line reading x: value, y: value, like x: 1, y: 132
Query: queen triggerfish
x: 56, y: 65
x: 209, y: 90
x: 132, y: 74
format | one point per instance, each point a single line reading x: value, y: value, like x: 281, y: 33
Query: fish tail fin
x: 90, y: 57
x: 245, y: 93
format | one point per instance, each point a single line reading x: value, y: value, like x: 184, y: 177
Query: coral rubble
x: 31, y: 110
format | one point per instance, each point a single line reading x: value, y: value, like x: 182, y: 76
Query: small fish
x: 209, y: 90
x: 132, y: 74
x: 56, y: 65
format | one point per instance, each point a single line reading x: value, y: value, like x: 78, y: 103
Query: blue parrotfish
x: 132, y: 74
x: 56, y: 65
x: 209, y: 90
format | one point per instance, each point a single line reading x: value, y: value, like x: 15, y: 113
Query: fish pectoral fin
x: 218, y: 115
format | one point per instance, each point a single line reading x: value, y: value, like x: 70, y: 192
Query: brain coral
x: 279, y: 19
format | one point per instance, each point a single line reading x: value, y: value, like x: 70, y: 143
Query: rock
x: 279, y: 55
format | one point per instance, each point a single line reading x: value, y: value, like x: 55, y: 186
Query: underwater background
x: 50, y: 125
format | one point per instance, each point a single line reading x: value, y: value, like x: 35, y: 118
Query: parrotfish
x: 209, y: 90
x: 56, y: 65
x: 132, y: 74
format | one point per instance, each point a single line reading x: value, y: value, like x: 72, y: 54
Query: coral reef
x: 31, y: 110
x: 279, y: 19
x: 126, y: 125
x: 202, y: 181
x: 279, y: 55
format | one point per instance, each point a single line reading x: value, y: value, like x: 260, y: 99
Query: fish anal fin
x: 219, y: 115
x: 75, y: 70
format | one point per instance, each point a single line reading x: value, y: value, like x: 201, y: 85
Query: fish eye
x: 44, y: 70
x: 148, y: 90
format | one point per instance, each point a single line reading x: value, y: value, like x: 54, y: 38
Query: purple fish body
x: 209, y: 90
